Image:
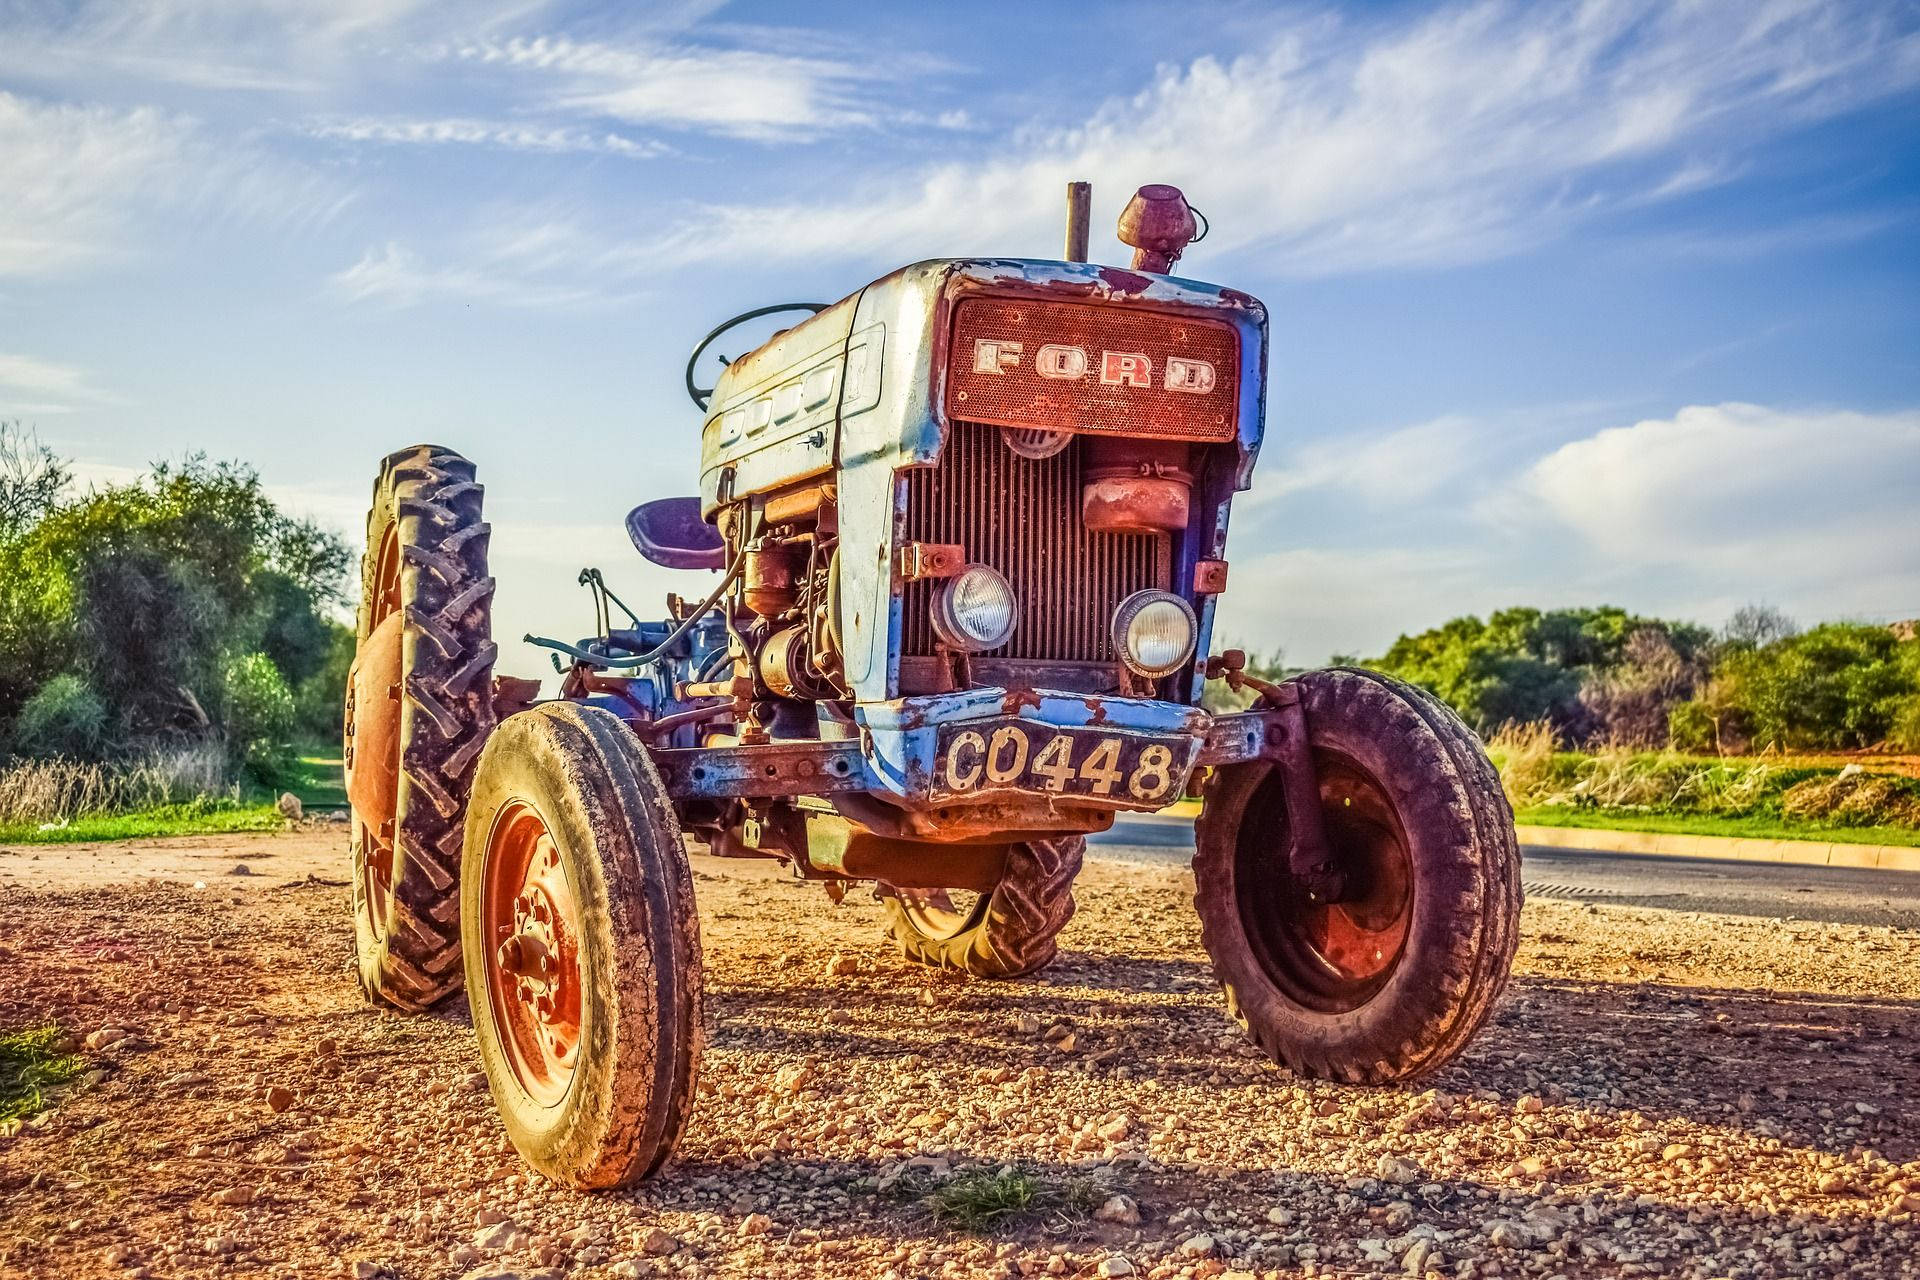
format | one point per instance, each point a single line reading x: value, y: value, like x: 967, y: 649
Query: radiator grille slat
x: 1022, y: 516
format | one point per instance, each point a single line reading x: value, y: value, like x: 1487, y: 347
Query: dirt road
x: 1662, y: 1093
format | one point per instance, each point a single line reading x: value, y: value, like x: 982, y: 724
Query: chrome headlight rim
x: 945, y: 613
x: 1132, y: 607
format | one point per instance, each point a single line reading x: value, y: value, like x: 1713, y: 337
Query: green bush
x: 1690, y: 727
x: 257, y: 711
x: 64, y: 718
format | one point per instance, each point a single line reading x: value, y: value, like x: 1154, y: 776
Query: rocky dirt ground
x: 1661, y: 1094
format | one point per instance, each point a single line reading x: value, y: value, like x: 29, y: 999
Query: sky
x: 1604, y: 302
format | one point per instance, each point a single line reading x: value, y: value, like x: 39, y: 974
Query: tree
x: 32, y: 478
x: 1754, y: 626
x: 149, y: 590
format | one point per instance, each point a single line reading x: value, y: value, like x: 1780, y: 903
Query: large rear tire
x: 1008, y: 933
x: 419, y: 709
x: 1396, y: 976
x: 582, y: 947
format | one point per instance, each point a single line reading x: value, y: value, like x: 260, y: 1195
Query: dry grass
x: 54, y: 791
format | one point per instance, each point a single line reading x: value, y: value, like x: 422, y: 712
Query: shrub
x: 1691, y: 727
x: 257, y: 712
x: 65, y: 718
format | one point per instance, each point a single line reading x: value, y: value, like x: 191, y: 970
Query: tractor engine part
x: 1137, y: 486
x: 787, y: 667
x: 769, y: 582
x: 1159, y: 224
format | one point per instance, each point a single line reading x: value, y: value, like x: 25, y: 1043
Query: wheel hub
x: 1332, y: 950
x: 533, y: 971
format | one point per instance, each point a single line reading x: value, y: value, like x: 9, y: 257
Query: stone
x: 234, y: 1196
x: 755, y: 1224
x: 1394, y: 1169
x: 1120, y: 1209
x: 658, y: 1244
x: 105, y: 1038
x: 1028, y: 1025
x: 1113, y: 1266
x: 1676, y: 1151
x: 500, y: 1237
x: 365, y: 1270
x: 1113, y: 1131
x: 1280, y: 1217
x: 279, y: 1098
x: 1414, y: 1260
x: 839, y: 966
x: 241, y: 869
x: 1197, y: 1246
x: 1529, y: 1105
x: 1834, y: 1183
x: 289, y: 806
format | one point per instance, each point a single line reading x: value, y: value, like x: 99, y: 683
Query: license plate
x: 1019, y: 755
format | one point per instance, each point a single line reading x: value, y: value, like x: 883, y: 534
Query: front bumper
x: 894, y: 757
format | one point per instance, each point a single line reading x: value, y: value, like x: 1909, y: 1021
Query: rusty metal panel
x: 1062, y: 366
x: 769, y: 769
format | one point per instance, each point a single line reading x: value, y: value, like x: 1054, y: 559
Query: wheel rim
x: 531, y: 921
x: 374, y: 833
x: 941, y: 914
x: 1332, y: 956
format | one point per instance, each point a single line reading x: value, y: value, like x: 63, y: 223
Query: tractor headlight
x: 974, y: 610
x: 1153, y: 632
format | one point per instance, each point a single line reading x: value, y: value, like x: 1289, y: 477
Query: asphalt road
x: 1839, y: 895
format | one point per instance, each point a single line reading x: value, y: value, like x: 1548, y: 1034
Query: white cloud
x: 1453, y: 137
x: 1809, y: 506
x: 74, y: 176
x: 398, y: 277
x: 486, y: 133
x: 740, y: 92
x: 1393, y: 466
x: 31, y: 386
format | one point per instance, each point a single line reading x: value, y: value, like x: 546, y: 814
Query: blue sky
x: 1611, y: 301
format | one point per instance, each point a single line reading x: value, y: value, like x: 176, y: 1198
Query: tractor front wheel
x: 1393, y: 976
x: 1008, y: 933
x: 582, y: 946
x: 419, y: 708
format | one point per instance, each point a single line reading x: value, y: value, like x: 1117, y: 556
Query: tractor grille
x: 1022, y: 516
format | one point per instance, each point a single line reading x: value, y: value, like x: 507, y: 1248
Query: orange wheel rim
x: 531, y: 924
x: 1332, y: 956
x: 374, y: 833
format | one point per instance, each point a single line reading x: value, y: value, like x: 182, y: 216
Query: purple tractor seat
x: 670, y: 532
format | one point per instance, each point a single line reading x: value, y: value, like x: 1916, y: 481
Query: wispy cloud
x: 1347, y: 145
x: 486, y: 133
x: 73, y: 177
x: 395, y: 276
x: 740, y: 92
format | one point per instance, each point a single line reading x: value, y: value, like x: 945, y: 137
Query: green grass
x: 197, y: 817
x: 31, y: 1063
x: 315, y: 779
x: 984, y: 1200
x: 1680, y: 824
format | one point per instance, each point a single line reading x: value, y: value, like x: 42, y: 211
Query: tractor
x: 965, y: 530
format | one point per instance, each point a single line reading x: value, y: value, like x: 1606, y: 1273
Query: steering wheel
x: 701, y: 395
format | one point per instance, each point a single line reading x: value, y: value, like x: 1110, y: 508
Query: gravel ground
x: 1661, y: 1094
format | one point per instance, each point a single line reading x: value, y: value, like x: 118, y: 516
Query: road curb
x: 1809, y: 853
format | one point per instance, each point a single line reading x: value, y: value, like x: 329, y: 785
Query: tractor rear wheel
x: 1008, y: 933
x: 419, y: 708
x: 1395, y: 975
x: 582, y: 946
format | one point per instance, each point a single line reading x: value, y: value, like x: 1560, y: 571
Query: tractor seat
x: 670, y: 532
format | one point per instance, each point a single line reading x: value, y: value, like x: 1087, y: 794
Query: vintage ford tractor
x: 969, y: 526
